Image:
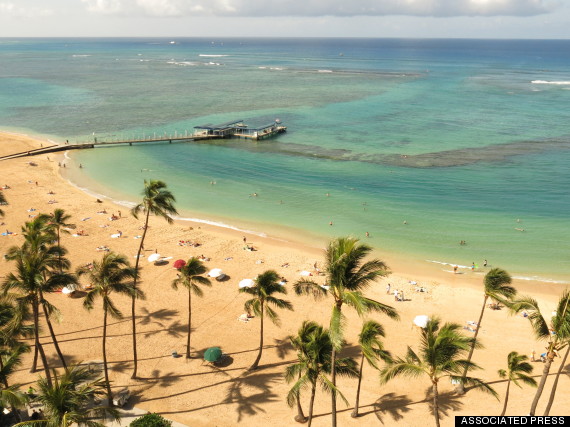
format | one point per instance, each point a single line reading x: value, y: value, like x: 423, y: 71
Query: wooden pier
x: 235, y: 129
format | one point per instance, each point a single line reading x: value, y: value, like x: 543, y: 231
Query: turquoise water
x: 420, y: 143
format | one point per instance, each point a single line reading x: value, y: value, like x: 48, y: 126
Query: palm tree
x: 69, y: 400
x: 517, y: 370
x: 113, y: 274
x: 314, y: 362
x: 300, y: 343
x: 347, y: 276
x: 190, y: 277
x: 265, y: 286
x: 439, y: 357
x: 497, y: 288
x: 49, y: 275
x: 557, y: 332
x: 10, y: 395
x: 59, y: 221
x: 372, y: 349
x: 158, y: 201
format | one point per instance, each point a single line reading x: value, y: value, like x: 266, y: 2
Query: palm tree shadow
x: 283, y: 347
x: 392, y: 405
x: 251, y: 403
x: 447, y: 402
x: 156, y: 317
x: 176, y: 330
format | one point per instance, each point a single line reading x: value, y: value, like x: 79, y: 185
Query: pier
x: 234, y: 129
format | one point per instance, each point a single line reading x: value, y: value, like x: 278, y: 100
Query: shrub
x: 151, y: 420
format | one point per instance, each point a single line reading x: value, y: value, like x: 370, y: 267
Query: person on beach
x: 454, y: 269
x: 388, y: 286
x: 473, y: 266
x: 485, y: 263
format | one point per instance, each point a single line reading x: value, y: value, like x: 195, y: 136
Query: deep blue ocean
x: 420, y: 143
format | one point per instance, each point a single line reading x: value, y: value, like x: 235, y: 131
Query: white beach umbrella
x: 216, y: 272
x: 67, y: 290
x: 305, y: 273
x: 421, y: 320
x: 154, y: 257
x: 246, y: 283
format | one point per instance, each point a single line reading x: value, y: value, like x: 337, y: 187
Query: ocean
x: 421, y: 144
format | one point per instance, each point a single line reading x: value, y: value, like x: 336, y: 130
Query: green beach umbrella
x: 213, y: 354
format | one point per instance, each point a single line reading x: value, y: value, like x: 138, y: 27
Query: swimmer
x: 405, y: 222
x: 367, y: 234
x: 331, y: 223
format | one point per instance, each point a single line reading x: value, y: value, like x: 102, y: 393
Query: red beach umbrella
x: 179, y: 263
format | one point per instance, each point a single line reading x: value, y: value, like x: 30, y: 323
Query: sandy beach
x: 194, y: 393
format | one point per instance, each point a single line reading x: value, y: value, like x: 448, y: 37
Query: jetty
x: 234, y: 129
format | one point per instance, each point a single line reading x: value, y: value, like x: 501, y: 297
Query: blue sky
x: 286, y: 18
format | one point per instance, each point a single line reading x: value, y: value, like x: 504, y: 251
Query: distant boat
x: 172, y: 42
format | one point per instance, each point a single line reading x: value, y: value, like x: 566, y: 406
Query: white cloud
x: 106, y: 7
x: 13, y: 11
x: 253, y: 8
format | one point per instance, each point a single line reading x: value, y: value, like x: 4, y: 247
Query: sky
x: 527, y: 19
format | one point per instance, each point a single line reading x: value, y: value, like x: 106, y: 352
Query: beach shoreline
x: 194, y: 394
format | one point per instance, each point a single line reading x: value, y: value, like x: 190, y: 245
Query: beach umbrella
x: 216, y: 272
x: 154, y: 257
x: 213, y: 354
x: 179, y: 263
x: 421, y: 320
x: 246, y: 283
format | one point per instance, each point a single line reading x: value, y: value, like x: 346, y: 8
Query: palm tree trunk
x: 38, y: 344
x: 506, y: 399
x: 355, y: 411
x: 300, y: 417
x: 5, y: 379
x: 333, y: 380
x: 133, y: 308
x: 460, y: 389
x: 189, y: 323
x: 540, y: 387
x: 52, y: 333
x: 553, y: 391
x: 59, y: 254
x: 311, y: 403
x: 256, y: 363
x: 436, y: 403
x: 107, y: 383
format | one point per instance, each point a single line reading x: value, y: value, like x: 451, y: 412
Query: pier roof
x: 221, y: 126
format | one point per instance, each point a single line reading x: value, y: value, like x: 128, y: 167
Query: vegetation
x: 497, y: 288
x: 314, y: 361
x: 266, y: 285
x: 347, y: 276
x: 159, y: 201
x: 439, y: 357
x: 517, y: 370
x: 151, y: 420
x: 556, y: 332
x: 190, y: 277
x: 72, y: 399
x: 372, y: 350
x: 113, y: 274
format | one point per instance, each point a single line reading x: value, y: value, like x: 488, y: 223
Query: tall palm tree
x: 556, y: 332
x: 517, y: 370
x: 50, y: 275
x: 159, y: 201
x: 439, y: 356
x: 497, y: 288
x: 69, y: 400
x: 300, y: 342
x: 313, y: 363
x: 113, y: 274
x: 190, y: 277
x: 59, y: 221
x: 372, y: 350
x: 347, y: 276
x: 262, y: 291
